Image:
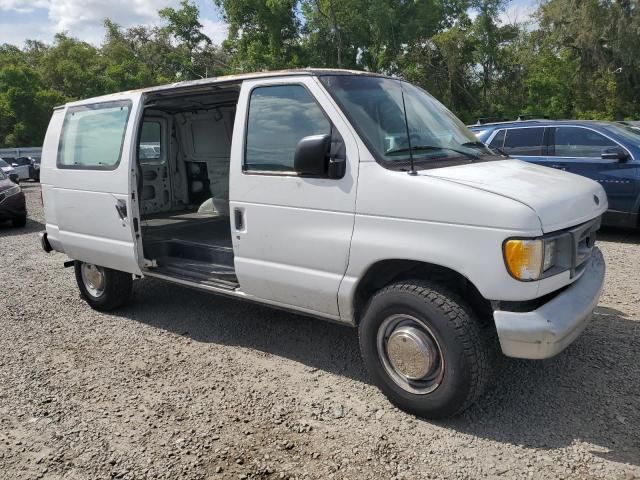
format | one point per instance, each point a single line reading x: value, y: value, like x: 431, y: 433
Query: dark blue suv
x: 606, y: 152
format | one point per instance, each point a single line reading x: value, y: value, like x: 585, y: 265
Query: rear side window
x: 524, y: 141
x: 92, y: 136
x: 279, y: 117
x: 498, y: 140
x: 580, y: 142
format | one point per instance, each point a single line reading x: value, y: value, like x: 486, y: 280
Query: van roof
x: 205, y: 82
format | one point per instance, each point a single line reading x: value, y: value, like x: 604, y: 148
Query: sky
x: 41, y: 19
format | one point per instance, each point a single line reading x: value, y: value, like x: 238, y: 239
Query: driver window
x: 580, y: 142
x: 279, y: 117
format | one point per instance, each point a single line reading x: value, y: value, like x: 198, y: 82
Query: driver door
x: 578, y: 150
x: 291, y: 233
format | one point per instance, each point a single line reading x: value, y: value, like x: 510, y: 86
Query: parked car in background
x: 21, y: 165
x: 607, y: 152
x: 9, y: 171
x: 34, y: 168
x: 12, y: 202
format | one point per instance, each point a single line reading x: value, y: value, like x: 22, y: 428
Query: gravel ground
x: 181, y: 384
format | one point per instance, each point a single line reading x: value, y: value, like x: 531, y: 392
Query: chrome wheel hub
x: 93, y: 278
x: 410, y: 354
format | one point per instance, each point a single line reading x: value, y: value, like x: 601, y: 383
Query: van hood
x: 560, y: 199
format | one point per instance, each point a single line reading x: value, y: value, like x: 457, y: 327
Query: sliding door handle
x: 121, y: 208
x: 238, y: 218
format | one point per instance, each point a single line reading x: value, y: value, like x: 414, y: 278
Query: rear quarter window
x: 92, y: 136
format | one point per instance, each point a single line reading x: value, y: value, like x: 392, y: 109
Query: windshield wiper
x: 477, y: 143
x: 430, y: 147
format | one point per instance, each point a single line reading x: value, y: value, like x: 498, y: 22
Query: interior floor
x: 192, y: 246
x: 205, y: 228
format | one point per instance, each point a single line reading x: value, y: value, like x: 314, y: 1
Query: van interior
x: 183, y: 183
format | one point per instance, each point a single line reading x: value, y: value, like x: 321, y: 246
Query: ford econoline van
x: 346, y: 196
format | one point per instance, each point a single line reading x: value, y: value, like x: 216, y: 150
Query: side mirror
x: 614, y: 153
x: 337, y: 168
x: 312, y: 155
x: 14, y: 177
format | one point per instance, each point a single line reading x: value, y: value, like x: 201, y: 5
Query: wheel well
x: 384, y: 272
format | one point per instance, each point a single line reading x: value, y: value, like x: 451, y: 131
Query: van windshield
x: 375, y: 107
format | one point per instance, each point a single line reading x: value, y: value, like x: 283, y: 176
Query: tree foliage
x: 574, y: 58
x: 263, y: 34
x: 36, y: 78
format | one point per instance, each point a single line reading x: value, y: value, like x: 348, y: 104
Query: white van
x: 346, y: 196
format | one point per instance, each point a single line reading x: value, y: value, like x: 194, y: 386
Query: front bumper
x: 546, y: 331
x: 13, y: 207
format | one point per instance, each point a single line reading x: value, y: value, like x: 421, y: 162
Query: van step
x: 206, y: 273
x: 185, y: 250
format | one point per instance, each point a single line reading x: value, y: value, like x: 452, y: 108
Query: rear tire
x: 103, y: 288
x: 423, y: 347
x: 19, y: 222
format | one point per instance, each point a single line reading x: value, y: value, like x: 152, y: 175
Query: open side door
x: 90, y: 185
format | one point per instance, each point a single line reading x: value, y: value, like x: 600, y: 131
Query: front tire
x: 424, y: 349
x: 103, y: 288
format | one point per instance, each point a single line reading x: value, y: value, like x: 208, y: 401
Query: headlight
x: 549, y: 257
x: 536, y: 258
x: 12, y: 191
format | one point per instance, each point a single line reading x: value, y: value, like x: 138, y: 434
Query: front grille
x: 2, y: 195
x: 584, y: 239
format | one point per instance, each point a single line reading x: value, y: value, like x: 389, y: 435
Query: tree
x: 25, y: 106
x: 600, y: 38
x: 578, y: 60
x: 184, y: 24
x: 73, y: 68
x: 262, y: 34
x: 38, y: 77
